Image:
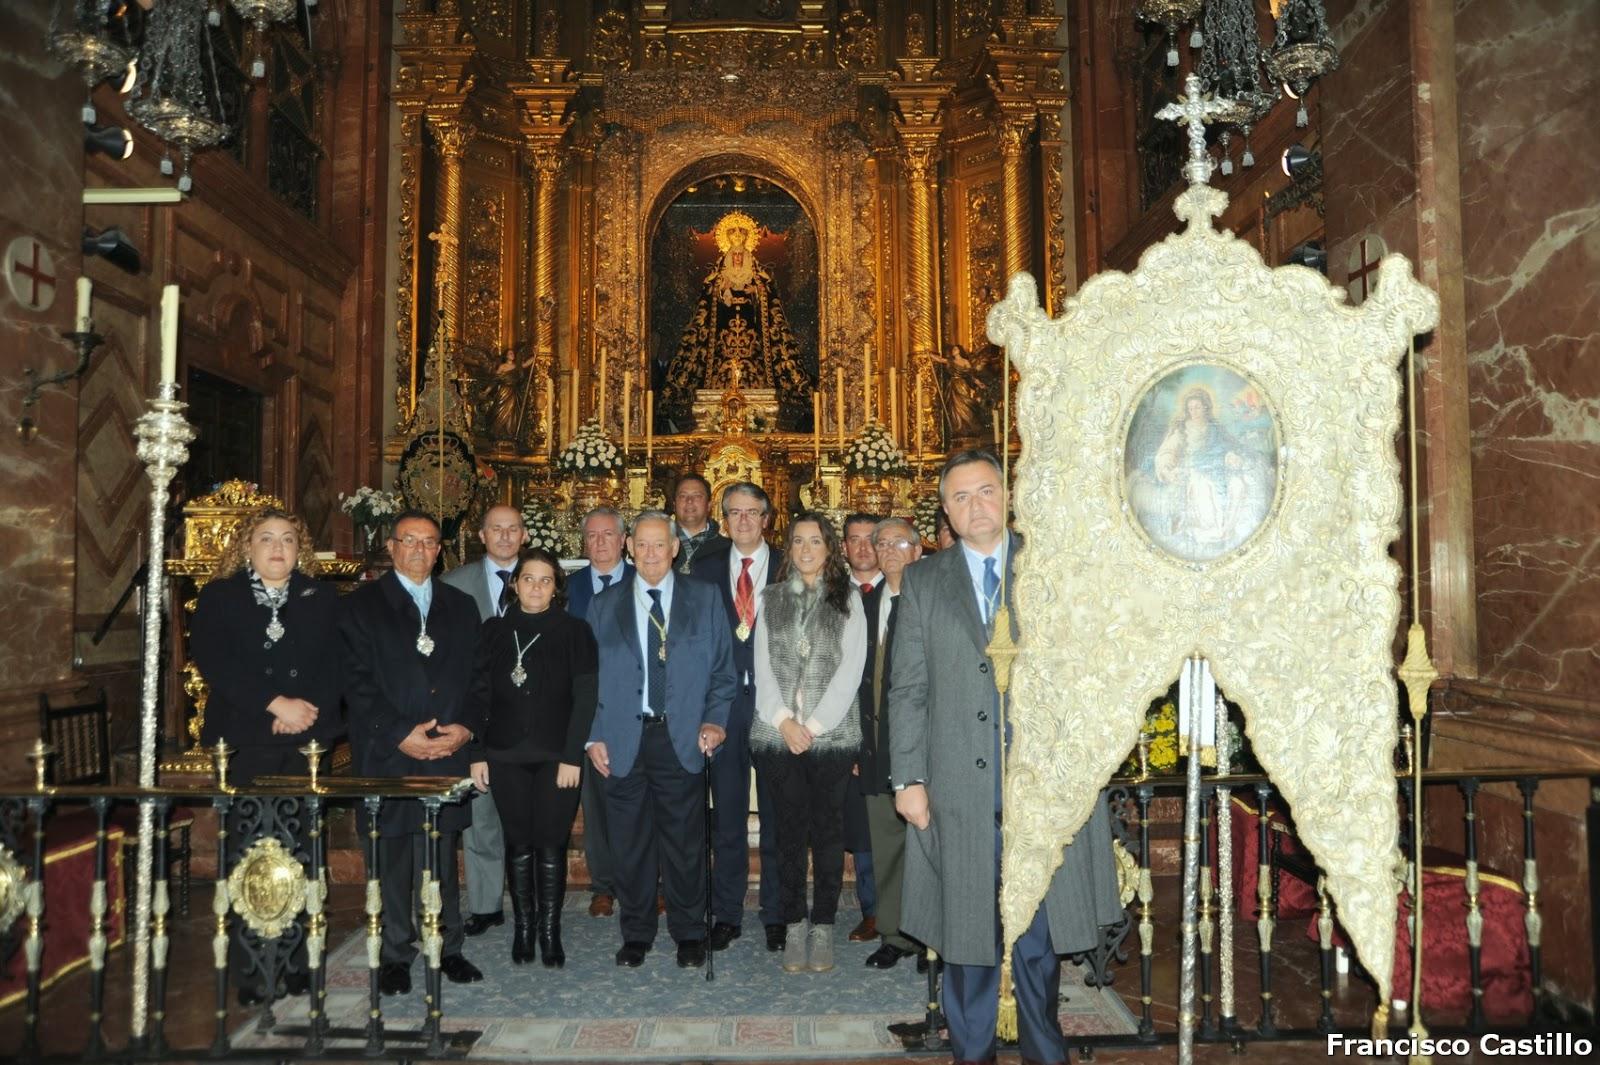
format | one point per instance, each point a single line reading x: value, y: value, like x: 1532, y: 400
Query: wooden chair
x: 78, y: 733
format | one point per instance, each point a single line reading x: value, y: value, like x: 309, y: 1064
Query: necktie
x: 744, y: 596
x: 655, y: 665
x: 605, y: 580
x: 866, y: 587
x: 991, y: 590
x: 505, y: 591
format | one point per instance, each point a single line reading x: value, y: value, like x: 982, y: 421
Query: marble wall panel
x: 41, y: 170
x: 1531, y: 227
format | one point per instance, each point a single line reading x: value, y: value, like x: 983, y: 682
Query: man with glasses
x: 897, y: 546
x: 741, y: 568
x: 409, y: 642
x: 488, y: 581
x: 691, y: 509
x: 602, y: 546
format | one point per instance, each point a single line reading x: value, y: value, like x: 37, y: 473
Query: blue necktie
x: 506, y: 595
x: 991, y: 590
x: 605, y: 580
x: 655, y: 667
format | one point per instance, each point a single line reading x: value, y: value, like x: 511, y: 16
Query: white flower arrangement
x: 589, y: 453
x: 540, y: 523
x: 925, y: 518
x: 370, y: 506
x: 873, y: 453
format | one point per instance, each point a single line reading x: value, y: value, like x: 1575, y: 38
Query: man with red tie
x: 740, y: 568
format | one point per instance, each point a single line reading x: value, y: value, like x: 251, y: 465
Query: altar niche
x: 733, y: 302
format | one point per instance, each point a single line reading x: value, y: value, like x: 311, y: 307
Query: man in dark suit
x: 602, y: 546
x: 896, y: 546
x: 741, y: 568
x: 409, y: 643
x: 691, y: 516
x: 488, y: 581
x: 666, y: 681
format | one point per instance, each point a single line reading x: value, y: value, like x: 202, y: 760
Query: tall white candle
x: 838, y: 403
x: 85, y: 316
x: 600, y: 408
x: 627, y: 405
x: 649, y: 427
x: 918, y: 415
x: 894, y: 403
x: 169, y: 334
x: 866, y: 382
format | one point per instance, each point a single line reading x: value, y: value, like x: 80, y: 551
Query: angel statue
x: 737, y: 334
x: 969, y: 390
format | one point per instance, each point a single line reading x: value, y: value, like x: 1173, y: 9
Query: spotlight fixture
x: 111, y: 140
x: 130, y: 77
x: 1295, y: 158
x: 1311, y: 254
x: 112, y: 244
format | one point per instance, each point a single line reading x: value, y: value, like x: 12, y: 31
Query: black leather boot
x: 524, y: 899
x: 552, y: 892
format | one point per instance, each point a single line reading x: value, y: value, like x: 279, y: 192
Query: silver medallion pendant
x: 424, y: 644
x: 804, y: 647
x: 275, y: 629
x: 518, y: 675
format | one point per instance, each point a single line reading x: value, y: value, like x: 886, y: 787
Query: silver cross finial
x: 1192, y: 109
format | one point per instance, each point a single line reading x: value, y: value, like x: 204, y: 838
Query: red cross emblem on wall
x: 30, y: 274
x: 1363, y: 268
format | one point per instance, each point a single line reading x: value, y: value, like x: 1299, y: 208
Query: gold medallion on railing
x: 267, y: 887
x: 13, y: 887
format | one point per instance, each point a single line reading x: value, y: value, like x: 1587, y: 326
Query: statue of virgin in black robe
x: 738, y: 331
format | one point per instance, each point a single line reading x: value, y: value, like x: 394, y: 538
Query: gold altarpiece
x: 539, y: 145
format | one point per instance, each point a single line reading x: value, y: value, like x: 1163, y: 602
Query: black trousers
x: 533, y: 811
x: 657, y: 819
x: 400, y: 865
x: 730, y: 784
x: 808, y: 791
x: 248, y: 956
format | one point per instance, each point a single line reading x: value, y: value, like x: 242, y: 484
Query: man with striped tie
x: 488, y: 581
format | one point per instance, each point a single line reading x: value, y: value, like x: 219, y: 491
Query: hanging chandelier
x: 1171, y: 14
x: 173, y: 101
x: 86, y: 43
x: 1302, y: 50
x: 259, y: 13
x: 1232, y: 66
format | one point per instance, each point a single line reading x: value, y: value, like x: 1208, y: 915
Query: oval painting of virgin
x: 1200, y: 462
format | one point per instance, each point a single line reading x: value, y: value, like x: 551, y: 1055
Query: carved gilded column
x: 407, y: 372
x: 450, y: 142
x: 919, y: 101
x: 1017, y: 204
x: 1055, y: 238
x: 545, y: 167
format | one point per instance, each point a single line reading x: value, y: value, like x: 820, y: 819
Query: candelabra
x: 164, y: 437
x: 85, y: 340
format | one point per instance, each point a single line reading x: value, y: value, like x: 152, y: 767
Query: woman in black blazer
x: 266, y: 638
x: 535, y: 679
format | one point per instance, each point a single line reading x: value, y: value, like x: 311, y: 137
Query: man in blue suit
x: 603, y: 537
x: 666, y: 683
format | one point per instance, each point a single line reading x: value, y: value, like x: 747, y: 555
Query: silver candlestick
x: 164, y: 436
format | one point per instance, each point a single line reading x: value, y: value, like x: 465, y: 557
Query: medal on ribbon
x: 275, y: 629
x: 424, y: 644
x: 743, y: 631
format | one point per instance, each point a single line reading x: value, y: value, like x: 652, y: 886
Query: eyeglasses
x: 898, y: 545
x: 428, y: 543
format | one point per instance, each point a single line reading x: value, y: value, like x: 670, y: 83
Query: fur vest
x: 782, y: 608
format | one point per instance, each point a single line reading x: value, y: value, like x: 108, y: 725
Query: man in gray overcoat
x: 945, y: 768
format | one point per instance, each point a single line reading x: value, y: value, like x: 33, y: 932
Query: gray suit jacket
x: 942, y: 730
x: 700, y: 679
x: 473, y: 579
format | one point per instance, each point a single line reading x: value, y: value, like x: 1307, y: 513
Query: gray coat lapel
x: 628, y: 625
x: 958, y: 588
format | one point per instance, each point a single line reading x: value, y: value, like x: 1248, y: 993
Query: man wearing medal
x: 666, y: 683
x: 409, y: 643
x: 740, y: 568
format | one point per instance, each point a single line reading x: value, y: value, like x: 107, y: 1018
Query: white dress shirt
x: 595, y: 584
x: 975, y: 569
x: 641, y: 603
x: 491, y: 577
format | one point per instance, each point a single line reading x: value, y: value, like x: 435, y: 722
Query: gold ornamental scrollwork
x: 856, y: 47
x: 13, y: 887
x: 268, y: 887
x: 610, y: 49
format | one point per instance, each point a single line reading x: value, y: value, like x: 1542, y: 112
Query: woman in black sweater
x: 265, y: 635
x: 536, y: 678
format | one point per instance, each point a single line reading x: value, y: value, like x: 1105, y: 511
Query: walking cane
x: 711, y: 850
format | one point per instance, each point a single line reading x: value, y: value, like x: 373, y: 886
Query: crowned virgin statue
x: 738, y: 335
